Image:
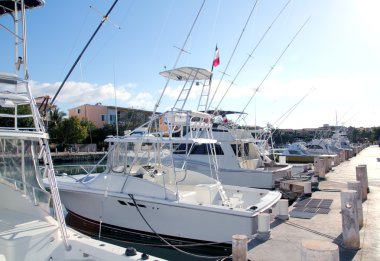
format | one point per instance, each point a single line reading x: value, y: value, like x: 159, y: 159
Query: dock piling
x: 283, y: 209
x: 350, y: 224
x: 315, y: 250
x: 263, y: 231
x: 239, y: 247
x: 356, y: 185
x: 361, y: 175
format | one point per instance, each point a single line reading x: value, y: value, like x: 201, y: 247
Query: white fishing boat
x: 141, y: 194
x: 302, y: 152
x: 28, y: 229
x: 241, y: 161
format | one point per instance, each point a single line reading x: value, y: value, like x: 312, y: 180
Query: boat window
x: 118, y: 158
x: 315, y: 147
x: 294, y: 152
x: 199, y: 149
x: 240, y: 149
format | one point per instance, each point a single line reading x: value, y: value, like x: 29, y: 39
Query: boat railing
x: 36, y: 195
x: 79, y: 169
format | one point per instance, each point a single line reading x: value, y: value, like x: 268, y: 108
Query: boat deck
x: 287, y: 235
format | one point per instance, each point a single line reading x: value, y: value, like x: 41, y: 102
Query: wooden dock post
x: 239, y: 247
x: 350, y: 224
x: 315, y: 250
x: 361, y: 175
x: 356, y: 185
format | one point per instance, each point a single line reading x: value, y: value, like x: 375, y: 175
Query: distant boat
x: 28, y: 228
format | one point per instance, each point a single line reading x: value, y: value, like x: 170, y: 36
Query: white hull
x: 167, y: 220
x: 185, y: 218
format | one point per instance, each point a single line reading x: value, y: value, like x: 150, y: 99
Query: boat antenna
x: 251, y: 54
x: 105, y: 18
x: 273, y: 66
x: 181, y: 50
x: 233, y: 53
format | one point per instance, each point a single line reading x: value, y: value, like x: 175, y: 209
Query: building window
x: 78, y: 111
x: 112, y: 118
x: 103, y: 117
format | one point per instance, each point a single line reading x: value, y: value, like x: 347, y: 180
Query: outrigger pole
x: 84, y: 49
x: 251, y: 54
x: 273, y: 66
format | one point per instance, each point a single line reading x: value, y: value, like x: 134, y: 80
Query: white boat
x: 141, y: 194
x: 302, y: 152
x: 241, y: 161
x: 28, y: 229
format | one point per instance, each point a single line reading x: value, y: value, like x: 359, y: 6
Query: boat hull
x: 177, y: 220
x: 93, y: 228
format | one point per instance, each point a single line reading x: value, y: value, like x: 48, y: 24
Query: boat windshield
x: 20, y: 169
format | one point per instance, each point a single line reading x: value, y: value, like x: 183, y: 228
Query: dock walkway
x: 287, y: 235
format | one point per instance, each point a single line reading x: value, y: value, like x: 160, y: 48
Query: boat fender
x: 130, y: 251
x: 144, y: 256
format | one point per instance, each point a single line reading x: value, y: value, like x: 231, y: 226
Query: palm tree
x: 55, y: 118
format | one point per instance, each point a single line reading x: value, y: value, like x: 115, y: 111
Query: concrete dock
x: 287, y: 236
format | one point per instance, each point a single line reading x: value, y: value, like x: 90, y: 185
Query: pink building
x: 101, y: 114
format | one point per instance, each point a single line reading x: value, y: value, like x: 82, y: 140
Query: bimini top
x: 187, y: 73
x: 8, y: 6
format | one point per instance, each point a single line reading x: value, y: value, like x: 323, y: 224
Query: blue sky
x: 336, y: 55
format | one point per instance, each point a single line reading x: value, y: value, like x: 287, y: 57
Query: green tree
x: 100, y: 134
x: 70, y: 131
x: 90, y: 126
x: 375, y: 136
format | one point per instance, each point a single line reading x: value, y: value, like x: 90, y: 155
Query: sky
x: 329, y: 73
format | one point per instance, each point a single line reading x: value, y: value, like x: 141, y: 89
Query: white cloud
x: 142, y: 100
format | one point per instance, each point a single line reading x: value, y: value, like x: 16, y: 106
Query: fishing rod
x: 84, y: 49
x: 273, y: 66
x: 233, y: 52
x: 251, y: 54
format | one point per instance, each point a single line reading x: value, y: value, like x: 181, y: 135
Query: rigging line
x: 158, y: 39
x: 76, y: 41
x: 287, y: 114
x: 291, y: 109
x: 344, y: 114
x: 250, y: 55
x: 215, y: 22
x: 163, y: 239
x: 233, y: 52
x: 84, y: 49
x: 177, y: 59
x: 274, y: 65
